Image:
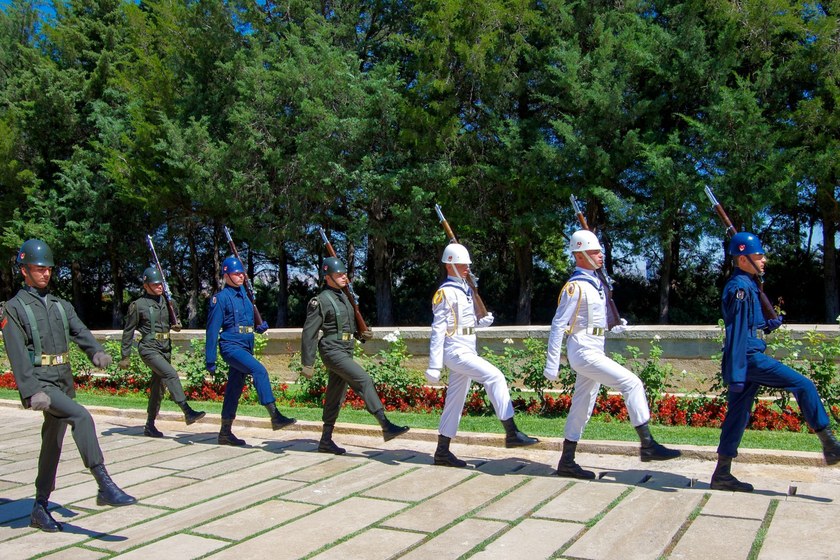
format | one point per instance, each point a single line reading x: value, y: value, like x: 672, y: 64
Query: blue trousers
x: 764, y: 370
x: 243, y: 363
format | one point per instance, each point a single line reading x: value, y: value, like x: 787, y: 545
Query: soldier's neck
x: 40, y: 292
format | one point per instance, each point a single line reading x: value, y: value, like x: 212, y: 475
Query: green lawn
x: 534, y: 425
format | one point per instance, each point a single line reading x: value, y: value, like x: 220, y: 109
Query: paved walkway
x: 277, y: 498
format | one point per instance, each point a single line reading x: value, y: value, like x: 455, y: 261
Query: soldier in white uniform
x: 582, y: 315
x: 453, y: 345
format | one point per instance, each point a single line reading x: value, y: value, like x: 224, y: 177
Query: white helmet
x: 455, y: 253
x: 583, y: 240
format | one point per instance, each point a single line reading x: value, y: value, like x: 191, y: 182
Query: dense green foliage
x: 120, y: 118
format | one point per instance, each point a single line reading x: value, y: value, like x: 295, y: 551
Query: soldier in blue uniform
x: 746, y: 369
x: 37, y: 330
x: 230, y: 324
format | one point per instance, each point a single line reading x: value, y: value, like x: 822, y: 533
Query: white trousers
x: 464, y: 368
x: 593, y: 369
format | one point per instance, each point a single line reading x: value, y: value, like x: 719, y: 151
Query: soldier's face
x: 154, y: 289
x: 759, y: 260
x: 594, y: 262
x: 461, y: 270
x: 36, y: 276
x: 235, y: 279
x: 337, y: 280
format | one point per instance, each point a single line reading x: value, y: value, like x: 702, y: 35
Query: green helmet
x: 152, y: 276
x: 35, y: 251
x: 332, y: 265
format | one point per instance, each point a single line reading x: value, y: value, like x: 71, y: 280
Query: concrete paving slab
x: 419, y: 484
x: 193, y: 516
x: 328, y: 466
x: 457, y: 540
x: 716, y: 537
x: 75, y: 553
x: 373, y: 544
x: 183, y: 547
x: 194, y: 492
x: 737, y: 505
x: 801, y: 530
x: 33, y: 544
x: 234, y: 464
x: 214, y: 454
x: 581, y: 501
x: 524, y: 499
x: 89, y: 489
x: 315, y: 531
x: 446, y: 507
x: 533, y: 539
x: 640, y: 527
x: 347, y: 483
x: 255, y: 519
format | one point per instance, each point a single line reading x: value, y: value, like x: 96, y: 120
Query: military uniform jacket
x: 453, y: 324
x: 743, y: 319
x: 229, y: 310
x: 52, y: 336
x: 149, y: 315
x: 581, y: 308
x: 332, y: 313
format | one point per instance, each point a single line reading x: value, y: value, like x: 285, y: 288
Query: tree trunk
x: 830, y: 216
x: 76, y: 286
x: 670, y: 258
x: 282, y: 319
x: 525, y: 270
x: 119, y: 288
x: 382, y: 277
x: 195, y: 281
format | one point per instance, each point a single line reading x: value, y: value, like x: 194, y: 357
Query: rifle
x: 249, y: 288
x: 472, y: 279
x: 174, y: 323
x: 361, y: 326
x: 613, y: 316
x: 767, y: 308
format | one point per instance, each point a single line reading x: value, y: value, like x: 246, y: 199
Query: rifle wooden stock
x: 767, y: 308
x: 174, y: 322
x: 472, y: 280
x: 361, y: 326
x: 249, y: 288
x: 613, y: 316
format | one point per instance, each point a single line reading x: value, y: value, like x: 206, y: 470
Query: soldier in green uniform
x: 37, y: 330
x: 331, y: 313
x: 149, y: 315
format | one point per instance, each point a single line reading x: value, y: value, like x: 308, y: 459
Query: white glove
x: 619, y: 328
x: 550, y: 375
x: 307, y: 371
x: 486, y: 321
x: 432, y: 375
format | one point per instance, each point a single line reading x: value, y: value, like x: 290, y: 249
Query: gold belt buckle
x: 598, y: 331
x: 346, y: 336
x: 466, y: 331
x: 246, y: 330
x: 162, y: 336
x: 54, y: 359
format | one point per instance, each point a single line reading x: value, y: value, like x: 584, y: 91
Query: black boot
x: 515, y: 438
x: 226, y: 437
x: 389, y: 430
x: 149, y: 430
x: 327, y: 445
x: 831, y: 448
x: 567, y: 466
x: 190, y: 416
x: 277, y: 419
x: 42, y: 519
x: 652, y: 451
x: 444, y: 457
x: 722, y: 478
x: 109, y: 493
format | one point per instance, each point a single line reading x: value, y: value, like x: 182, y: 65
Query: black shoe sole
x: 232, y: 443
x: 195, y: 418
x: 336, y: 451
x: 388, y: 436
x: 727, y: 488
x: 439, y: 463
x: 511, y: 445
x: 101, y: 502
x: 275, y: 426
x: 580, y: 475
x: 152, y: 434
x: 56, y: 529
